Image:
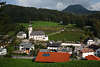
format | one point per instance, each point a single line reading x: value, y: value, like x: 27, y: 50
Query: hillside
x: 25, y: 14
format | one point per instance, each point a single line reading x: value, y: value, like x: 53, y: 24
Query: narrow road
x: 22, y: 57
x: 56, y: 32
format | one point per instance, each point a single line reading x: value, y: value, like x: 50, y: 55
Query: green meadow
x: 66, y: 36
x: 9, y: 62
x: 42, y: 24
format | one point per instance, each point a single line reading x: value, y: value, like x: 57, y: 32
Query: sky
x: 56, y: 4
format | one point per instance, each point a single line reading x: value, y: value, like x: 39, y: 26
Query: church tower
x: 30, y: 31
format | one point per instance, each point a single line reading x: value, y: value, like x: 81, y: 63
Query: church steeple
x: 30, y: 30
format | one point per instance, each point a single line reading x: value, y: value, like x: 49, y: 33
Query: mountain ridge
x: 78, y: 9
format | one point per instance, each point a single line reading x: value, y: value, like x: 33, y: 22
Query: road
x: 22, y: 57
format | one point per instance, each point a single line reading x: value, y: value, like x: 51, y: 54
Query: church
x: 37, y: 35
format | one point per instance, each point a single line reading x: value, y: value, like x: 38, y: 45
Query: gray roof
x: 20, y: 33
x: 44, y: 50
x: 37, y: 33
x: 53, y: 44
x: 1, y: 49
x: 26, y: 45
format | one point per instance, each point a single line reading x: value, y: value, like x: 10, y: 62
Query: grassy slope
x: 28, y: 63
x: 42, y: 24
x: 67, y: 36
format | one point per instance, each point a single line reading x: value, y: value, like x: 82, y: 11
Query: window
x: 46, y: 55
x: 98, y: 52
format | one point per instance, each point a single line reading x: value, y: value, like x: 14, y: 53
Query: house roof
x: 37, y: 33
x: 20, y: 33
x: 26, y: 45
x: 1, y: 49
x: 85, y: 50
x: 53, y: 44
x: 94, y: 47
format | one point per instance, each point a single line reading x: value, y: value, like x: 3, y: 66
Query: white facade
x: 21, y: 48
x: 40, y: 38
x: 3, y: 51
x: 70, y: 44
x: 90, y: 42
x: 53, y: 48
x: 86, y: 54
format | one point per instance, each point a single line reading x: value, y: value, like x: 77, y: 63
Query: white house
x: 37, y: 35
x: 21, y: 35
x: 97, y: 53
x: 90, y: 42
x: 87, y: 51
x: 26, y: 47
x: 70, y: 44
x: 3, y: 51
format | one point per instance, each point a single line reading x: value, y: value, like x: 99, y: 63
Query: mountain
x: 78, y: 9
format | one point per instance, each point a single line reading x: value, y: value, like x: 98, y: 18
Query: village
x: 51, y: 33
x: 37, y: 41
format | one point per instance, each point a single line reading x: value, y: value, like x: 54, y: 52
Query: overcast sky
x: 56, y: 4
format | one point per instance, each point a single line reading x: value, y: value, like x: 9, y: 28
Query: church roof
x: 37, y: 33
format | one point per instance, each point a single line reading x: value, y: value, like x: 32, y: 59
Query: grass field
x: 67, y: 36
x: 42, y: 24
x: 28, y: 63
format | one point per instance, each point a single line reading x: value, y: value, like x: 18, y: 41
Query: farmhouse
x: 3, y: 51
x: 90, y: 42
x: 26, y: 47
x: 37, y: 35
x: 21, y: 35
x: 87, y: 51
